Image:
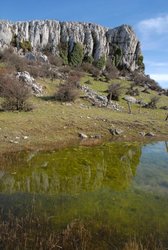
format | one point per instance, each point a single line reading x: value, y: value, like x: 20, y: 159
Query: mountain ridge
x: 120, y: 44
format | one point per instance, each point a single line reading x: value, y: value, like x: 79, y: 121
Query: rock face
x: 118, y: 43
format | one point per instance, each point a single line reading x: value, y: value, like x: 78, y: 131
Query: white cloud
x: 153, y: 33
x: 160, y: 77
x: 157, y: 25
x: 157, y: 64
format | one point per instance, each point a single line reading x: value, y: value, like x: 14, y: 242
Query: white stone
x: 30, y: 82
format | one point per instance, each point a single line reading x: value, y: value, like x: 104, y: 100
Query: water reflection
x: 123, y: 185
x: 71, y: 170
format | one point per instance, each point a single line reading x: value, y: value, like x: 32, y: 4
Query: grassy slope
x: 55, y: 124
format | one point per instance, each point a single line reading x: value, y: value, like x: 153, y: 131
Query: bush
x: 15, y: 94
x: 116, y: 55
x: 55, y: 60
x: 69, y: 91
x: 63, y: 52
x: 140, y: 62
x: 132, y: 92
x: 152, y: 104
x: 76, y: 56
x: 88, y: 59
x: 25, y: 45
x: 13, y: 60
x: 145, y: 81
x: 101, y: 63
x: 114, y: 92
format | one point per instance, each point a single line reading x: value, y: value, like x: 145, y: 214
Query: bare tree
x: 15, y: 94
x: 114, y: 92
x: 69, y: 91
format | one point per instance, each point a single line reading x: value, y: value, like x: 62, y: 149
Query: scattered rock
x: 15, y: 142
x: 115, y: 131
x: 25, y: 137
x: 142, y: 133
x: 98, y: 136
x: 83, y: 136
x: 149, y: 134
x: 146, y: 134
x: 99, y: 100
x: 36, y: 57
x: 42, y: 58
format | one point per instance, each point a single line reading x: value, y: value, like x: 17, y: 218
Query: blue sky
x: 149, y: 19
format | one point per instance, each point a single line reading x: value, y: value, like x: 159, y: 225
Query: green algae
x: 119, y: 185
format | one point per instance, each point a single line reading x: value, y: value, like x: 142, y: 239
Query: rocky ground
x: 87, y: 121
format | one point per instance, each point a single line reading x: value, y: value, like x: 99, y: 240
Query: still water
x: 121, y: 185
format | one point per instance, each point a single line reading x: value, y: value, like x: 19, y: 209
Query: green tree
x: 76, y: 56
x: 63, y: 52
x: 25, y: 45
x: 117, y: 55
x: 101, y: 63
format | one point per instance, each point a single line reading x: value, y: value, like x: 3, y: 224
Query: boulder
x: 42, y: 58
x: 130, y: 99
x: 99, y: 100
x: 150, y: 134
x: 115, y: 131
x: 30, y: 82
x: 30, y: 56
x: 83, y: 136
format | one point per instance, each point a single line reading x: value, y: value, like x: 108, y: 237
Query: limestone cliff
x: 120, y: 44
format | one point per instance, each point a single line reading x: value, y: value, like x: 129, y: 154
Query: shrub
x: 111, y: 74
x: 69, y: 91
x: 63, y: 52
x: 145, y: 81
x: 116, y: 55
x: 152, y: 104
x: 14, y: 41
x: 76, y: 56
x: 132, y: 92
x: 101, y: 63
x: 15, y: 94
x: 114, y: 92
x: 88, y: 59
x: 140, y: 62
x: 25, y: 45
x: 55, y: 60
x: 13, y: 60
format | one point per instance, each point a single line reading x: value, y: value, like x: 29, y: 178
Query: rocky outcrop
x: 99, y: 100
x: 30, y: 82
x: 120, y: 44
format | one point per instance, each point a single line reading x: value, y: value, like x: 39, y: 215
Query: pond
x: 119, y: 190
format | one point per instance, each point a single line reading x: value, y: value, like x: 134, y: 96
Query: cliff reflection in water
x: 70, y: 171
